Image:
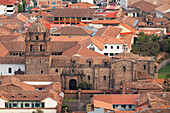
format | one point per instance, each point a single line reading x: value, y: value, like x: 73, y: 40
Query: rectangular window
x: 42, y: 105
x: 111, y: 54
x: 111, y: 47
x: 117, y: 47
x: 9, y: 70
x: 130, y: 106
x: 37, y: 105
x: 104, y: 78
x: 89, y: 78
x: 114, y: 106
x: 123, y: 106
x: 105, y: 47
x: 14, y: 105
x: 27, y: 105
x: 106, y: 54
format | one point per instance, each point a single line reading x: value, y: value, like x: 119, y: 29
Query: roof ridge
x: 105, y: 30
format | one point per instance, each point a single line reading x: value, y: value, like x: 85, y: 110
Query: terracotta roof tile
x: 74, y: 31
x: 73, y: 12
x: 14, y: 45
x: 163, y: 8
x: 3, y: 2
x: 61, y: 46
x: 117, y: 99
x: 12, y: 60
x: 81, y: 5
x: 109, y: 31
x: 3, y: 50
x: 83, y: 51
x: 143, y: 75
x: 144, y: 6
x: 67, y: 38
x: 106, y: 22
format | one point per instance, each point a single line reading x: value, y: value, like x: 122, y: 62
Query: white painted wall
x: 50, y: 103
x: 26, y: 110
x: 89, y: 1
x: 108, y: 50
x: 38, y: 83
x: 123, y: 3
x: 2, y: 9
x: 2, y: 103
x: 4, y: 68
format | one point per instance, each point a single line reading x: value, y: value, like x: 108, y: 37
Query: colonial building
x: 73, y: 63
x: 7, y: 7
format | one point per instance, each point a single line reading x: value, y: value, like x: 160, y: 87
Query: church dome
x: 37, y: 27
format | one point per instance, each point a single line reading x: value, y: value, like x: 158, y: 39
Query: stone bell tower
x: 37, y: 49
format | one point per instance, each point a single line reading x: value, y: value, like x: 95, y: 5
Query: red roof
x: 110, y: 14
x: 2, y: 2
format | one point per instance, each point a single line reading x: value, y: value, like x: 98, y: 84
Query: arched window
x: 31, y: 48
x: 42, y: 71
x: 90, y: 63
x: 104, y: 78
x: 89, y: 77
x: 41, y: 49
x: 124, y: 69
x: 37, y: 38
x: 92, y: 48
x: 56, y: 70
x: 144, y: 67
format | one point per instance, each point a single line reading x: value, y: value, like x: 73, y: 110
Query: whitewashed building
x: 10, y: 65
x: 7, y: 7
x: 108, y: 46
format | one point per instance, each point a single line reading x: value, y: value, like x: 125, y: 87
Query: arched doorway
x: 72, y: 84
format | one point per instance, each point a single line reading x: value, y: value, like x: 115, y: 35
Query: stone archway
x: 72, y: 84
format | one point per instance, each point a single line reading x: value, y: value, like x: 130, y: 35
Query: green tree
x: 24, y: 5
x: 164, y: 45
x: 167, y: 83
x: 20, y: 8
x: 38, y: 111
x: 85, y: 86
x: 65, y: 107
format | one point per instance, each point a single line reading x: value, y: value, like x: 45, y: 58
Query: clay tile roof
x: 109, y: 40
x: 68, y: 38
x: 11, y: 80
x: 150, y: 86
x: 74, y: 31
x: 12, y: 60
x: 61, y: 46
x: 144, y: 6
x: 144, y: 75
x: 73, y: 12
x: 163, y: 8
x: 3, y: 2
x: 105, y: 22
x: 14, y: 45
x: 54, y: 86
x: 167, y: 15
x: 4, y: 31
x: 118, y: 99
x: 8, y: 37
x: 37, y: 27
x: 128, y: 55
x: 3, y: 50
x: 81, y: 5
x: 83, y: 51
x: 22, y: 17
x: 108, y: 31
x: 127, y: 39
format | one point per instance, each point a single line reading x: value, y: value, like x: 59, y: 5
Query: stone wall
x: 163, y: 64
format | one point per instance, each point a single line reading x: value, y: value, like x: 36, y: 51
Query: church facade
x: 74, y: 64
